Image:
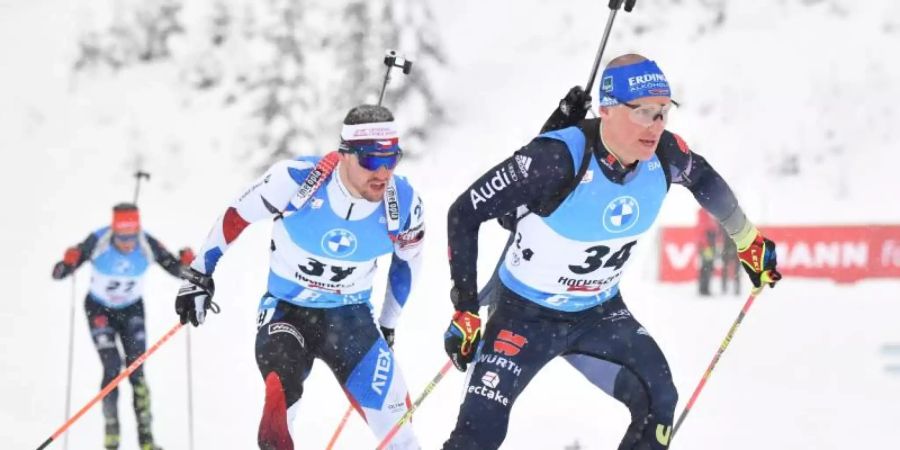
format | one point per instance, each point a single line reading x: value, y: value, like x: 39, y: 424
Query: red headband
x: 126, y: 222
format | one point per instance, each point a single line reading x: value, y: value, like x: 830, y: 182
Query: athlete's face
x: 368, y: 184
x: 125, y: 243
x: 633, y: 130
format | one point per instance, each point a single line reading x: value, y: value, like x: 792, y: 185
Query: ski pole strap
x: 112, y: 385
x: 392, y: 209
x: 715, y: 360
x: 314, y: 181
x: 323, y: 170
x: 406, y: 417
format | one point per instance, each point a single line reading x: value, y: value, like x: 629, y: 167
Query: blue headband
x: 626, y: 83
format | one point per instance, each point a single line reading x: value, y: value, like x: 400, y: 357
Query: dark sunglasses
x: 125, y: 238
x: 372, y: 155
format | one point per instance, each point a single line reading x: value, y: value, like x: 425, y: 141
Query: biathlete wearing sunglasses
x: 120, y: 255
x: 575, y: 227
x: 325, y: 241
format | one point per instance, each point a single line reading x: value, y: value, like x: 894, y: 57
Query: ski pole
x: 340, y: 427
x: 390, y: 60
x: 71, y: 357
x: 112, y: 385
x: 137, y: 186
x: 406, y: 417
x: 712, y: 365
x: 614, y: 6
x: 190, y: 386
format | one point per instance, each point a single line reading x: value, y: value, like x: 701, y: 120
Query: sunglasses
x: 373, y: 155
x: 646, y: 115
x: 125, y: 238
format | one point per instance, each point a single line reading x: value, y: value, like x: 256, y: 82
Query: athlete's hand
x: 462, y: 338
x: 195, y: 297
x: 388, y: 334
x: 61, y: 270
x: 760, y: 261
x: 575, y: 104
x: 185, y: 256
x: 571, y: 110
x: 70, y: 259
x: 72, y: 256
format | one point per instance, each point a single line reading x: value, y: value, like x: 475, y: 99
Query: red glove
x: 72, y: 256
x: 186, y: 256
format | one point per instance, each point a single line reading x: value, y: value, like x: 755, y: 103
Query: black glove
x: 61, y: 270
x: 462, y: 338
x: 572, y: 109
x: 388, y: 334
x: 70, y: 261
x: 195, y: 297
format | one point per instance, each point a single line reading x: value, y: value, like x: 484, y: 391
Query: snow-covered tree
x: 295, y: 66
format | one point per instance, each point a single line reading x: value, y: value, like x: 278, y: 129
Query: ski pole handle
x: 614, y: 6
x: 112, y: 385
x: 137, y: 186
x: 406, y: 417
x: 390, y: 60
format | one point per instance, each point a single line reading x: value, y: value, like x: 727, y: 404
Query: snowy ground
x: 804, y: 371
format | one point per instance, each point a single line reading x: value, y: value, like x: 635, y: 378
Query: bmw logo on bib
x: 621, y: 214
x: 339, y: 243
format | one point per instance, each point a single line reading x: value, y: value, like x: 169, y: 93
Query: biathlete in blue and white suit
x: 120, y: 255
x: 333, y: 217
x: 583, y: 196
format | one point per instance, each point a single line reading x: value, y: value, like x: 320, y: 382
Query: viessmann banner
x: 844, y: 254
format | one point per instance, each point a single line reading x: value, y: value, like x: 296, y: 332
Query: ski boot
x: 144, y: 418
x: 111, y: 439
x: 145, y: 438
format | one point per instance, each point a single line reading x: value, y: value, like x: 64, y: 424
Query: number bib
x: 323, y: 260
x: 116, y: 291
x: 574, y: 258
x: 311, y: 279
x: 118, y: 278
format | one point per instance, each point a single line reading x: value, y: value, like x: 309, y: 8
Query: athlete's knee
x: 279, y: 346
x: 482, y: 429
x: 663, y: 399
x: 631, y: 391
x: 280, y: 351
x: 112, y: 363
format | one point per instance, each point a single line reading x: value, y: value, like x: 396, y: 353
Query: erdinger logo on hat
x: 633, y: 81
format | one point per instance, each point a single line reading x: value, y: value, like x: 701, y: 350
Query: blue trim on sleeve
x: 400, y: 278
x: 211, y: 259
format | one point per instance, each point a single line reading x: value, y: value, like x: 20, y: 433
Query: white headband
x: 369, y: 131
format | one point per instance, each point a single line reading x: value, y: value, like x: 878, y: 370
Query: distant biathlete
x: 120, y: 255
x: 333, y: 217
